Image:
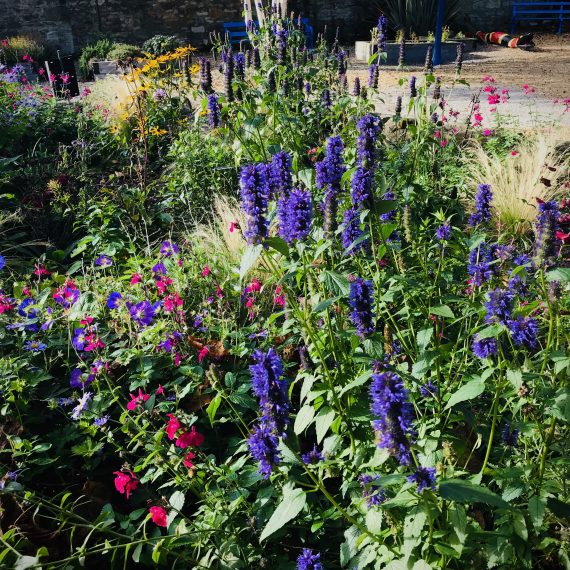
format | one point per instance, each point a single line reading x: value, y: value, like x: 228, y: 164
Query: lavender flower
x: 281, y: 46
x: 413, y: 88
x: 429, y: 390
x: 373, y: 494
x: 459, y: 58
x: 263, y: 444
x: 295, y: 215
x: 254, y: 185
x: 362, y: 187
x: 329, y: 176
x: 313, y: 456
x: 327, y: 102
x: 398, y: 108
x: 483, y: 201
x: 78, y: 341
x: 402, y: 53
x: 309, y: 561
x: 382, y: 33
x: 484, y: 347
x: 256, y: 58
x: 499, y: 306
x: 524, y: 332
x: 443, y: 233
x: 368, y: 129
x: 373, y: 76
x: 545, y: 232
x: 239, y: 66
x: 213, y: 111
x: 351, y: 232
x: 424, y: 477
x: 356, y: 87
x: 271, y: 81
x: 394, y: 415
x: 510, y: 435
x: 280, y: 177
x: 100, y: 422
x: 270, y: 388
x: 341, y: 64
x: 428, y: 64
x: 479, y: 266
x: 307, y: 88
x: 205, y: 75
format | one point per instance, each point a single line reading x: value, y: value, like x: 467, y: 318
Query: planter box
x: 103, y: 68
x: 415, y: 52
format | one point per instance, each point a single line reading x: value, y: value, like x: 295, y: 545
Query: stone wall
x: 70, y: 24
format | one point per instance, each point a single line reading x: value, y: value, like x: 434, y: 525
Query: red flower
x: 188, y: 460
x: 564, y: 238
x: 136, y: 400
x: 136, y: 278
x: 125, y: 482
x: 190, y: 438
x: 159, y: 516
x: 206, y: 271
x: 172, y: 426
x: 203, y: 353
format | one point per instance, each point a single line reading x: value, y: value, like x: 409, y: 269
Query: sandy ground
x: 547, y: 67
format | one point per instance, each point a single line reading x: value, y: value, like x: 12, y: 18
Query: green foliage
x: 14, y: 48
x: 98, y: 50
x: 122, y: 52
x: 160, y: 44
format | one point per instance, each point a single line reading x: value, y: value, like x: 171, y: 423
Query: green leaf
x: 519, y: 525
x: 536, y: 507
x: 336, y: 283
x: 374, y: 521
x: 323, y: 305
x: 560, y: 408
x: 515, y: 378
x: 325, y: 418
x: 467, y: 392
x: 384, y: 206
x: 304, y: 419
x: 249, y: 258
x: 213, y: 407
x: 559, y: 274
x: 362, y: 379
x: 491, y: 331
x: 177, y: 500
x: 292, y: 504
x: 279, y: 245
x: 423, y: 338
x: 465, y: 492
x: 442, y: 311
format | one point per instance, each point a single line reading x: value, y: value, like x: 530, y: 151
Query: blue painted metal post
x: 438, y: 32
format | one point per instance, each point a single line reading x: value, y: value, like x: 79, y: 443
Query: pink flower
x: 443, y: 144
x: 160, y: 390
x: 177, y: 359
x: 125, y: 482
x: 219, y: 292
x: 136, y: 278
x: 206, y: 271
x: 437, y: 134
x: 514, y: 152
x: 42, y: 71
x: 136, y: 400
x: 86, y: 92
x: 159, y: 516
x: 203, y: 353
x: 494, y: 99
x: 190, y: 438
x: 188, y: 460
x: 253, y: 287
x: 65, y: 77
x: 172, y: 426
x: 233, y: 227
x: 4, y: 43
x: 487, y: 132
x: 279, y: 298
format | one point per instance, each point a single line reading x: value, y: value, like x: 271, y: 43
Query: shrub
x: 98, y: 50
x: 123, y: 52
x: 160, y: 45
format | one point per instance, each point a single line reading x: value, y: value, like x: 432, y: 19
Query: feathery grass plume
x: 518, y: 180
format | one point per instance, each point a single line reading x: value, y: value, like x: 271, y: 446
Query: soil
x: 546, y: 67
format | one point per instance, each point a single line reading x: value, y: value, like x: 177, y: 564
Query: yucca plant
x: 416, y: 16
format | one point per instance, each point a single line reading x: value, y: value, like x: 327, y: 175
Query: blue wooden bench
x: 236, y: 32
x: 540, y: 11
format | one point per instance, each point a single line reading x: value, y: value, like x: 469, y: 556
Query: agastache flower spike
x: 413, y: 89
x: 545, y: 231
x: 295, y: 215
x: 280, y: 177
x: 382, y: 33
x: 254, y: 185
x: 373, y: 76
x: 213, y: 111
x: 483, y: 200
x: 360, y: 301
x: 368, y: 129
x: 394, y: 415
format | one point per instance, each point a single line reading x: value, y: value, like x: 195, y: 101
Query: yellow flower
x: 155, y: 131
